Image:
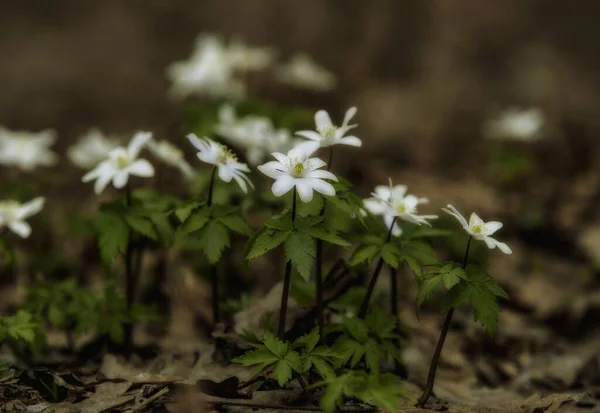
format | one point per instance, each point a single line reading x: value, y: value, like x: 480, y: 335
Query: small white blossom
x: 121, y: 163
x: 393, y: 202
x: 516, y: 124
x: 13, y: 215
x: 377, y: 206
x: 213, y: 67
x: 303, y: 72
x: 254, y: 134
x: 481, y: 231
x: 328, y: 134
x: 224, y: 159
x: 27, y: 150
x: 298, y: 169
x: 91, y: 149
x: 171, y: 155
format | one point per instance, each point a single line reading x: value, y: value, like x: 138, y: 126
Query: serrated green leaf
x: 257, y: 356
x: 309, y: 341
x: 323, y: 368
x: 390, y: 254
x: 163, y: 227
x: 183, y: 212
x: 195, y: 222
x: 281, y: 222
x: 326, y: 235
x: 214, y: 238
x: 282, y: 372
x: 303, y: 223
x: 113, y: 236
x: 357, y: 328
x: 426, y: 288
x: 294, y: 360
x: 236, y: 222
x: 266, y: 239
x: 141, y: 225
x: 364, y: 253
x: 300, y: 249
x: 274, y: 345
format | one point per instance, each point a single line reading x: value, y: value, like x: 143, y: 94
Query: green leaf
x: 236, y: 223
x: 390, y: 253
x: 195, y: 222
x: 265, y: 240
x: 256, y: 356
x: 214, y: 239
x: 326, y: 235
x: 364, y: 253
x: 309, y: 341
x: 281, y: 222
x: 274, y: 345
x: 282, y: 372
x: 113, y: 236
x: 183, y: 212
x: 426, y: 288
x: 141, y: 225
x: 357, y: 328
x: 303, y: 223
x: 300, y: 249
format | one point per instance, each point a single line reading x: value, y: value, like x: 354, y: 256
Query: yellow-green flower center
x: 298, y: 169
x: 9, y: 209
x: 477, y: 228
x: 328, y: 132
x: 226, y: 154
x: 122, y: 161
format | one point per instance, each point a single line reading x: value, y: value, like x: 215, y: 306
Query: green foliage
x: 482, y: 292
x: 323, y: 358
x: 113, y: 236
x: 297, y: 237
x: 276, y: 354
x: 22, y: 328
x: 372, y: 339
x: 382, y: 390
x: 447, y: 273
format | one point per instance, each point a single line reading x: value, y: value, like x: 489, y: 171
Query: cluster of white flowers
x: 27, y: 150
x: 256, y: 135
x: 215, y: 69
x: 516, y: 124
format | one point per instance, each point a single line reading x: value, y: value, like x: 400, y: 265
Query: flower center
x: 8, y: 209
x: 328, y: 132
x: 477, y: 228
x: 225, y: 155
x: 122, y: 161
x: 298, y: 169
x: 402, y: 208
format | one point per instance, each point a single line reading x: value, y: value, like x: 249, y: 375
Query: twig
x: 149, y: 400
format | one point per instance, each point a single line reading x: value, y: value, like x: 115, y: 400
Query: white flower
x: 301, y: 71
x: 91, y: 149
x: 393, y: 202
x: 255, y: 134
x: 121, y: 163
x: 171, y: 155
x: 298, y: 169
x: 481, y: 231
x: 516, y: 124
x: 244, y: 58
x: 13, y: 215
x: 328, y: 134
x: 213, y: 66
x: 377, y: 206
x: 27, y: 150
x: 226, y: 162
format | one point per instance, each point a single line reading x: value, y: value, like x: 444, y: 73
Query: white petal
x: 493, y: 226
x: 282, y: 185
x: 454, y: 212
x: 322, y: 120
x: 243, y: 181
x: 208, y: 157
x: 120, y: 179
x: 225, y: 173
x: 101, y: 169
x: 315, y: 163
x: 280, y: 157
x: 101, y: 182
x: 305, y: 191
x: 307, y: 148
x: 503, y: 247
x: 137, y: 143
x: 272, y: 169
x: 351, y: 141
x: 309, y: 134
x: 31, y: 208
x: 198, y: 143
x: 21, y: 228
x: 475, y: 220
x: 398, y: 191
x: 383, y: 192
x: 142, y: 168
x: 374, y: 206
x: 321, y: 186
x: 349, y: 115
x: 322, y: 174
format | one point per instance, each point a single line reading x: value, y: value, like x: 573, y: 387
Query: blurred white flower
x: 171, y: 155
x: 224, y: 159
x: 303, y: 72
x: 13, y: 215
x: 328, y: 134
x: 516, y: 124
x: 92, y: 148
x: 298, y: 169
x: 121, y: 163
x: 481, y: 231
x: 392, y: 201
x: 213, y: 66
x: 27, y: 150
x: 378, y: 205
x: 254, y: 134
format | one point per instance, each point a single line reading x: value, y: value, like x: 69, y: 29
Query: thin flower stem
x: 365, y: 304
x: 440, y: 344
x: 394, y: 307
x: 286, y: 281
x: 319, y: 263
x: 130, y: 281
x: 211, y: 187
